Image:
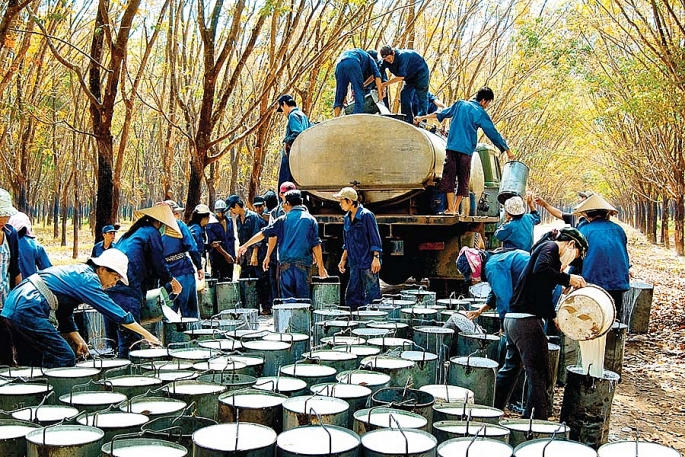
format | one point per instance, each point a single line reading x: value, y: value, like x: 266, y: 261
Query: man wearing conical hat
x: 606, y: 264
x: 142, y: 244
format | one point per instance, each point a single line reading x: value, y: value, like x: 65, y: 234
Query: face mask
x: 568, y: 256
x: 162, y: 229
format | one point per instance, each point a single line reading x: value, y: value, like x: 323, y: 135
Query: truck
x: 395, y: 167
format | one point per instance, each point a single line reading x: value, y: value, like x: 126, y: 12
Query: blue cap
x: 108, y: 229
x: 232, y: 200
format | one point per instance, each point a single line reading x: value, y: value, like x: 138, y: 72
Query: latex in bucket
x: 513, y: 181
x: 586, y: 314
x: 151, y: 310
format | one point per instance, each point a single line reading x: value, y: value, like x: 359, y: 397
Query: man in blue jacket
x: 517, y: 230
x: 298, y: 122
x: 409, y: 66
x: 109, y: 232
x: 362, y: 249
x: 221, y: 243
x: 355, y: 67
x: 467, y: 117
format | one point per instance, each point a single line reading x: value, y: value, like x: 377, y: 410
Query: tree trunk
x: 651, y: 221
x: 665, y: 240
x: 678, y: 219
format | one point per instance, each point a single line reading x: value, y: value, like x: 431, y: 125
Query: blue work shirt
x: 518, y: 233
x: 366, y: 63
x: 99, y: 248
x: 145, y: 262
x: 32, y: 256
x: 297, y: 233
x: 200, y: 237
x: 12, y: 238
x: 247, y: 229
x: 216, y: 232
x: 361, y: 238
x: 606, y: 263
x: 407, y: 64
x: 502, y: 271
x: 174, y: 246
x: 298, y: 122
x: 72, y: 285
x: 467, y: 118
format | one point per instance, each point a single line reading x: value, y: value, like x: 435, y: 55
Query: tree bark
x: 665, y: 236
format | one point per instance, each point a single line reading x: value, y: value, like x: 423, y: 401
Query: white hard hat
x: 115, y: 260
x: 220, y: 205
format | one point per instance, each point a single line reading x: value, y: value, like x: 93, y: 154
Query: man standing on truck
x: 362, y: 249
x: 298, y: 122
x: 467, y: 117
x: 355, y: 67
x: 409, y: 66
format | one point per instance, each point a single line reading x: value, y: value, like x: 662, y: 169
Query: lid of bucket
x: 556, y: 447
x: 457, y: 448
x: 632, y: 448
x: 231, y: 437
x: 317, y: 440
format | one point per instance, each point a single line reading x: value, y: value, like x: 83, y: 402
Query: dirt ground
x: 650, y: 397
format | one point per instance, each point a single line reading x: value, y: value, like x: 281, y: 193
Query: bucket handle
x: 312, y: 412
x: 127, y: 435
x: 561, y: 427
x: 101, y: 339
x: 529, y: 433
x: 468, y: 448
x: 392, y: 418
x: 32, y: 418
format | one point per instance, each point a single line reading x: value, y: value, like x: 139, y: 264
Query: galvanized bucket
x: 292, y: 318
x: 337, y: 340
x: 325, y: 292
x: 546, y: 446
x: 318, y: 440
x: 445, y: 393
x: 615, y: 348
x: 229, y: 379
x: 455, y: 304
x: 400, y: 370
x: 113, y: 422
x: 13, y: 437
x: 360, y: 351
x: 65, y: 441
x: 397, y: 329
x: 460, y: 411
x: 45, y: 415
x: 421, y: 297
x: 420, y: 315
x: 327, y: 314
x: 254, y: 406
x: 174, y: 332
x: 523, y: 430
x: 489, y: 321
x: 447, y: 430
x: 275, y: 353
x: 248, y: 292
x: 299, y: 341
x: 327, y: 329
x: 482, y: 343
x: 254, y: 364
x: 374, y: 380
x: 132, y: 385
x: 355, y: 395
x: 238, y: 439
x: 464, y: 447
x: 153, y: 406
x: 285, y: 385
x: 177, y: 428
x: 206, y: 299
x: 513, y: 180
x: 412, y: 400
x: 143, y: 446
x: 310, y: 373
x: 366, y: 315
x: 191, y: 352
x: 366, y: 420
x: 434, y: 339
x: 632, y: 448
x: 227, y: 296
x: 340, y: 360
x: 204, y: 394
x: 92, y: 401
x: 148, y: 355
x: 314, y: 409
x: 63, y: 380
x: 110, y: 366
x: 221, y: 344
x: 17, y: 393
x: 393, y: 442
x: 223, y: 363
x: 151, y: 309
x: 387, y: 343
x: 476, y: 374
x: 425, y: 370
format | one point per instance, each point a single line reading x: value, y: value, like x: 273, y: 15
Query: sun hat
x: 595, y: 202
x: 348, y: 193
x: 20, y: 221
x: 163, y: 214
x: 515, y: 206
x: 6, y: 207
x: 115, y: 260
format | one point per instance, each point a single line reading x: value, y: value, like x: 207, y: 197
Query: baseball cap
x: 258, y: 201
x: 286, y: 186
x: 202, y: 209
x: 232, y: 200
x: 108, y: 229
x: 282, y: 99
x: 348, y: 193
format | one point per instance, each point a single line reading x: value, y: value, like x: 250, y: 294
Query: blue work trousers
x: 349, y: 72
x: 418, y: 86
x: 362, y: 288
x: 38, y: 343
x: 187, y: 299
x: 122, y: 336
x: 295, y: 280
x: 284, y: 172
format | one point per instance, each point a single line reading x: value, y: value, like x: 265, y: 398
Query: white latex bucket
x: 586, y: 313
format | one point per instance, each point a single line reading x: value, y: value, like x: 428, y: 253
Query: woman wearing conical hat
x: 142, y: 244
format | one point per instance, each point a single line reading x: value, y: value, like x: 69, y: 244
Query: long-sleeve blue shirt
x: 99, y: 248
x: 298, y: 122
x: 467, y: 117
x: 361, y: 238
x: 173, y: 246
x: 145, y: 261
x: 518, y: 233
x: 216, y: 232
x: 72, y: 285
x: 606, y: 263
x: 407, y: 64
x: 297, y: 233
x: 200, y: 237
x: 502, y: 271
x: 32, y: 256
x: 366, y: 63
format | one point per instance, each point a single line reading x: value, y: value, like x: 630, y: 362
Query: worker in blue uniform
x: 297, y: 123
x: 10, y: 275
x: 362, y: 248
x: 467, y: 117
x: 407, y: 66
x: 109, y: 232
x: 355, y: 67
x: 32, y: 255
x: 298, y: 246
x: 199, y: 219
x: 221, y: 243
x: 48, y: 298
x: 184, y: 260
x: 517, y: 230
x: 142, y: 244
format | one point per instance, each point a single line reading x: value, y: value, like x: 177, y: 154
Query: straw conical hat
x: 595, y: 202
x: 163, y: 214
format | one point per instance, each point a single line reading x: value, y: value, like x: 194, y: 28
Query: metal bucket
x: 314, y: 409
x: 91, y: 401
x: 13, y: 437
x: 463, y: 447
x: 318, y: 440
x: 372, y: 379
x: 523, y: 430
x: 341, y: 361
x: 63, y: 380
x: 254, y: 364
x: 355, y: 395
x: 229, y: 379
x: 393, y: 442
x: 445, y: 393
x: 285, y: 385
x: 368, y: 332
x: 434, y: 339
x: 420, y: 297
x: 483, y: 343
x: 292, y: 317
x: 276, y: 354
x: 325, y: 292
x: 337, y: 340
x: 45, y: 415
x: 477, y: 374
x: 425, y: 370
x: 110, y: 367
x: 299, y: 342
x: 21, y: 372
x: 367, y: 315
x: 447, y: 430
x: 254, y: 406
x: 459, y: 411
x: 366, y: 420
x: 173, y: 332
x: 132, y: 385
x: 513, y: 180
x: 546, y: 446
x: 177, y: 428
x: 222, y: 344
x: 320, y: 315
x: 309, y: 372
x: 204, y: 394
x: 389, y: 342
x: 151, y: 309
x: 248, y: 293
x: 113, y: 422
x: 455, y: 304
x: 148, y: 355
x: 192, y: 352
x: 420, y: 315
x: 227, y: 296
x: 246, y: 334
x: 587, y: 405
x: 586, y: 313
x: 153, y: 406
x: 360, y: 351
x: 615, y: 348
x: 399, y: 369
x: 17, y: 394
x: 142, y: 446
x: 93, y: 324
x: 406, y: 399
x: 397, y: 329
x: 206, y: 299
x: 244, y: 440
x: 249, y: 317
x: 218, y: 324
x: 327, y: 329
x: 65, y: 441
x: 632, y: 448
x: 489, y: 321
